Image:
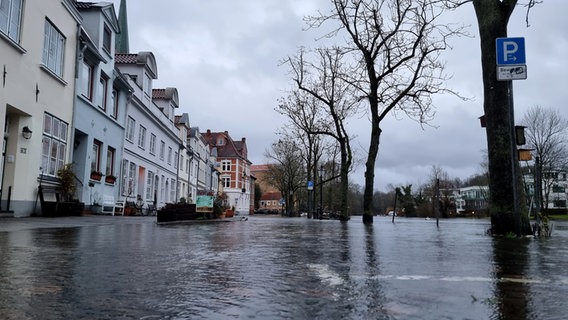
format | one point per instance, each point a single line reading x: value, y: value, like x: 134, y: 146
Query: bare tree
x: 397, y: 45
x: 302, y: 116
x: 319, y: 77
x: 547, y: 134
x: 286, y: 170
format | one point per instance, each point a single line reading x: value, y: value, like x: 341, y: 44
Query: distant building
x: 271, y: 196
x: 235, y: 176
x: 472, y: 198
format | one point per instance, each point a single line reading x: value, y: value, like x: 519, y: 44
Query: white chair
x: 109, y: 204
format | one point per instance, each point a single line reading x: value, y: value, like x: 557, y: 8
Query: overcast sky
x: 223, y: 57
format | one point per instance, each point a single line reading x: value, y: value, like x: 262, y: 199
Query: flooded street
x: 277, y: 268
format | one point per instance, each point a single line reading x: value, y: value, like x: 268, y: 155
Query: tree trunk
x: 370, y: 172
x: 493, y: 17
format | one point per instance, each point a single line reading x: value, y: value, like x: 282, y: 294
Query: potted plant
x: 109, y: 178
x: 96, y: 175
x: 67, y: 183
x: 68, y: 205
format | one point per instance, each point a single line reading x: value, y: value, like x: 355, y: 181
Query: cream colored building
x: 38, y: 49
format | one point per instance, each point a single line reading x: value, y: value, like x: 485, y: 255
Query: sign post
x: 511, y: 65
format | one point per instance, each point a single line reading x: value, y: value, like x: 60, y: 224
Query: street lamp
x: 320, y: 211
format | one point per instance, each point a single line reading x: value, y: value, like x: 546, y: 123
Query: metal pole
x: 320, y: 213
x: 514, y: 162
x: 395, y: 198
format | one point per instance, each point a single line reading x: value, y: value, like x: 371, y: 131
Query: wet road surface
x: 99, y: 267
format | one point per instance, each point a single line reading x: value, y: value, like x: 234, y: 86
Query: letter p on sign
x: 510, y: 51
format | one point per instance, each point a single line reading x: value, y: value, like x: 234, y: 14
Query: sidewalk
x: 17, y: 224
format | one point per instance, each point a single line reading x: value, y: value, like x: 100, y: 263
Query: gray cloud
x: 223, y: 58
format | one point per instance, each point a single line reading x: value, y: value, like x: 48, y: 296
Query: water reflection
x: 281, y: 268
x: 511, y: 288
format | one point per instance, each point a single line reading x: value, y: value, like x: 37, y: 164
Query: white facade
x: 38, y: 46
x: 152, y: 143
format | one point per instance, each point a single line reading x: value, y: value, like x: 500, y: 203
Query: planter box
x: 95, y: 176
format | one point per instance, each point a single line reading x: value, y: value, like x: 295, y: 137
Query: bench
x: 110, y: 205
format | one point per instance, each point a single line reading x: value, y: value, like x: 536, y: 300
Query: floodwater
x: 277, y: 268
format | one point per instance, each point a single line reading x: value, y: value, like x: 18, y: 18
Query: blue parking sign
x: 510, y: 51
x: 310, y: 185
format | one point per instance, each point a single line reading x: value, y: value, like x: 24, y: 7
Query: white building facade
x: 152, y: 143
x: 38, y: 46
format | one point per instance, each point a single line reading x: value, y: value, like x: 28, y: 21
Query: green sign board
x: 204, y: 201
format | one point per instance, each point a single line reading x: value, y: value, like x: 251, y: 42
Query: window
x: 147, y: 85
x: 169, y: 155
x: 86, y: 80
x: 130, y: 123
x: 114, y: 103
x: 150, y: 185
x: 96, y: 156
x: 128, y: 180
x: 176, y: 159
x: 54, y: 144
x: 220, y: 141
x: 162, y: 150
x: 103, y: 92
x: 10, y: 18
x: 152, y: 143
x: 181, y: 160
x: 226, y: 182
x: 110, y: 161
x: 226, y: 165
x: 53, y: 49
x: 141, y: 136
x: 107, y: 38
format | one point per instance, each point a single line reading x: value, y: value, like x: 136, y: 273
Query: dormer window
x: 147, y: 85
x: 107, y: 35
x: 220, y: 141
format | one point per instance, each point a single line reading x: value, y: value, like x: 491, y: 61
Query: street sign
x: 510, y: 51
x: 282, y: 201
x: 310, y: 185
x: 506, y: 73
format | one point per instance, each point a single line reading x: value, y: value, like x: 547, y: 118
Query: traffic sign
x: 506, y: 73
x: 310, y: 185
x: 510, y: 51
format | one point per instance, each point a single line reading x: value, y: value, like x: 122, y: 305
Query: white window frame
x: 152, y: 144
x: 53, y: 49
x: 11, y: 18
x: 226, y: 181
x: 54, y: 144
x: 162, y: 150
x: 226, y: 165
x: 141, y: 136
x: 86, y: 82
x: 130, y: 125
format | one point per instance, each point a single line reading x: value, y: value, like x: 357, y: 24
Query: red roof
x: 271, y: 196
x: 126, y: 58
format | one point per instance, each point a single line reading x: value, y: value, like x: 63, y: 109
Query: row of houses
x: 554, y: 185
x: 71, y: 92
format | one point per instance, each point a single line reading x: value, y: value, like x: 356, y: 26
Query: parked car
x: 262, y: 211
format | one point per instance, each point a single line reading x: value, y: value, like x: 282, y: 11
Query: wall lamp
x: 26, y: 132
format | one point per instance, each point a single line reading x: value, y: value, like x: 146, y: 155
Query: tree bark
x: 493, y: 17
